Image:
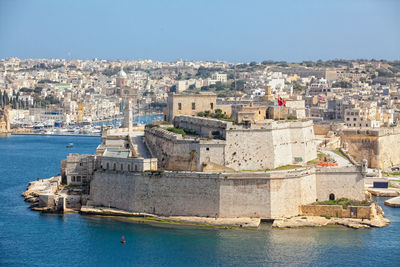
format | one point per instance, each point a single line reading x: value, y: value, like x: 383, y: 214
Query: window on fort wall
x: 212, y: 106
x: 193, y: 106
x: 179, y: 106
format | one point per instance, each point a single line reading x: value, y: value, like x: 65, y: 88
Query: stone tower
x: 268, y: 94
x: 128, y: 116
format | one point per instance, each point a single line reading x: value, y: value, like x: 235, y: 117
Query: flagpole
x: 279, y: 104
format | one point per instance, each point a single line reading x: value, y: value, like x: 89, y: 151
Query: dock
x: 393, y: 202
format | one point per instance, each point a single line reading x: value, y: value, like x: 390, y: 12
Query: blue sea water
x: 29, y: 238
x: 139, y: 119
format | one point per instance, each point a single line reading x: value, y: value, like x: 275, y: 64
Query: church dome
x: 121, y: 74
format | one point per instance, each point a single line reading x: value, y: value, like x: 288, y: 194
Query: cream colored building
x: 181, y: 104
x: 220, y: 77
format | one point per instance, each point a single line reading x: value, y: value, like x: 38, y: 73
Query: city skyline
x: 232, y: 31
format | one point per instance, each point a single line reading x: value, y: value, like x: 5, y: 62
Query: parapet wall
x: 205, y: 127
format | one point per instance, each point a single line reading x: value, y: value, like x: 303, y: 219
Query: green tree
x: 239, y: 85
x: 219, y: 86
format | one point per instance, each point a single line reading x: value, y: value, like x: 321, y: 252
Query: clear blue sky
x: 228, y: 30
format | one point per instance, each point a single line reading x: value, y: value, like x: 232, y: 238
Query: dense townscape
x: 44, y: 93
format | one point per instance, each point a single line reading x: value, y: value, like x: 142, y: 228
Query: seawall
x: 266, y: 195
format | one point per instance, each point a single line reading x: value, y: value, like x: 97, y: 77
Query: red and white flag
x: 281, y: 102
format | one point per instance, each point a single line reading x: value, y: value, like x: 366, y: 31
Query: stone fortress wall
x: 174, y: 152
x: 265, y: 195
x: 269, y: 145
x: 240, y: 147
x: 378, y: 146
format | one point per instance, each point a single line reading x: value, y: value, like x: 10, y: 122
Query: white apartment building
x: 219, y: 77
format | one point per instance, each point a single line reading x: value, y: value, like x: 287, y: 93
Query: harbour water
x: 29, y: 238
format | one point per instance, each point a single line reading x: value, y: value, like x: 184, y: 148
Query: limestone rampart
x: 226, y: 195
x: 378, y: 146
x: 345, y: 182
x: 269, y: 145
x: 258, y: 146
x: 185, y: 154
x: 172, y: 151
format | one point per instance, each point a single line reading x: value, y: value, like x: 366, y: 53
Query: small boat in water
x: 70, y: 145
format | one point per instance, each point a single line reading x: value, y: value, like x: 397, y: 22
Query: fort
x: 197, y: 167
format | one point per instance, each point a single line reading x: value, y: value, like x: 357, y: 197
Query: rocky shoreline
x: 50, y: 196
x: 318, y: 221
x: 38, y: 193
x: 189, y: 220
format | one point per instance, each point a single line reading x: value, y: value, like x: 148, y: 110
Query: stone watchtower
x: 268, y: 94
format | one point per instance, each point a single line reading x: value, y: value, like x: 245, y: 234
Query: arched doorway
x: 331, y: 196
